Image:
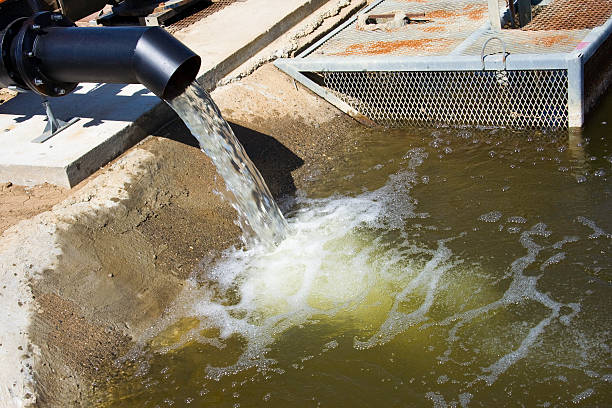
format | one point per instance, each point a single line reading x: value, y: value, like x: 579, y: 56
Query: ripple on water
x: 352, y: 285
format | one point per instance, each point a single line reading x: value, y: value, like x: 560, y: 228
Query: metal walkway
x: 450, y: 63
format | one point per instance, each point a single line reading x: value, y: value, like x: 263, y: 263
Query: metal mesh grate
x: 528, y: 99
x: 571, y: 14
x: 216, y: 5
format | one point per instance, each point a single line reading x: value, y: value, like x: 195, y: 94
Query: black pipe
x: 146, y: 55
x: 50, y: 56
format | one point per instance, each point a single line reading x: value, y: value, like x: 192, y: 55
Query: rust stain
x: 390, y: 47
x: 474, y: 12
x: 434, y: 29
x: 471, y: 11
x: 364, y: 120
x: 441, y: 14
x: 552, y: 40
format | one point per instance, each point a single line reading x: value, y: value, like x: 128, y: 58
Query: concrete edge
x: 113, y: 147
x: 36, y: 238
x: 53, y: 175
x: 151, y: 120
x: 354, y: 9
x: 162, y: 113
x: 210, y: 78
x: 302, y: 36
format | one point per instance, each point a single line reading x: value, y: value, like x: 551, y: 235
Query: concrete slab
x: 111, y: 118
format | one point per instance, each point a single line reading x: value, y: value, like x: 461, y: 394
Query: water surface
x: 433, y: 267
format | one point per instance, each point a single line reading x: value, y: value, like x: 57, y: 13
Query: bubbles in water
x: 340, y: 254
x: 517, y: 219
x: 464, y: 399
x: 492, y: 216
x: 555, y: 259
x: 330, y: 346
x: 352, y: 281
x: 583, y: 395
x: 597, y: 231
x: 437, y: 399
x: 442, y: 379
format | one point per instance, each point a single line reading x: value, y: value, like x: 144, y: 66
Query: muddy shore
x: 94, y: 272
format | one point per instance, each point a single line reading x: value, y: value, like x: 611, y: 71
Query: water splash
x: 259, y: 215
x: 349, y: 258
x: 369, y: 291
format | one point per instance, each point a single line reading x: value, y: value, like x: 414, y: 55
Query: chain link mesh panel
x: 571, y: 15
x: 209, y: 9
x: 513, y: 99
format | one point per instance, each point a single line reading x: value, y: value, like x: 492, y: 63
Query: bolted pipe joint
x: 47, y: 54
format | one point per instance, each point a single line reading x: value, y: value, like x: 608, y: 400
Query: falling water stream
x: 258, y: 214
x: 428, y: 267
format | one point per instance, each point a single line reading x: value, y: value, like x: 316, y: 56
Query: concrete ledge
x: 212, y: 72
x: 114, y: 117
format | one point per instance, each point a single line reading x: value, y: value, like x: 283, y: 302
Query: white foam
x: 350, y: 257
x: 597, y: 231
x: 437, y: 399
x: 555, y: 259
x: 583, y: 395
x: 329, y: 265
x: 492, y: 216
x: 339, y: 252
x: 464, y: 399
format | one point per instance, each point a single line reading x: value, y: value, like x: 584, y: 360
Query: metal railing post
x: 494, y: 15
x: 575, y: 90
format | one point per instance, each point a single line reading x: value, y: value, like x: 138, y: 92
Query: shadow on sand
x: 274, y: 160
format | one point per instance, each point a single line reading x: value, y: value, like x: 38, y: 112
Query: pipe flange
x: 28, y: 64
x: 8, y: 74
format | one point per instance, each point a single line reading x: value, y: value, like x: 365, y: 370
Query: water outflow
x: 259, y: 215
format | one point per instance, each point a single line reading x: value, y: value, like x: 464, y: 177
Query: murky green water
x: 431, y: 268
